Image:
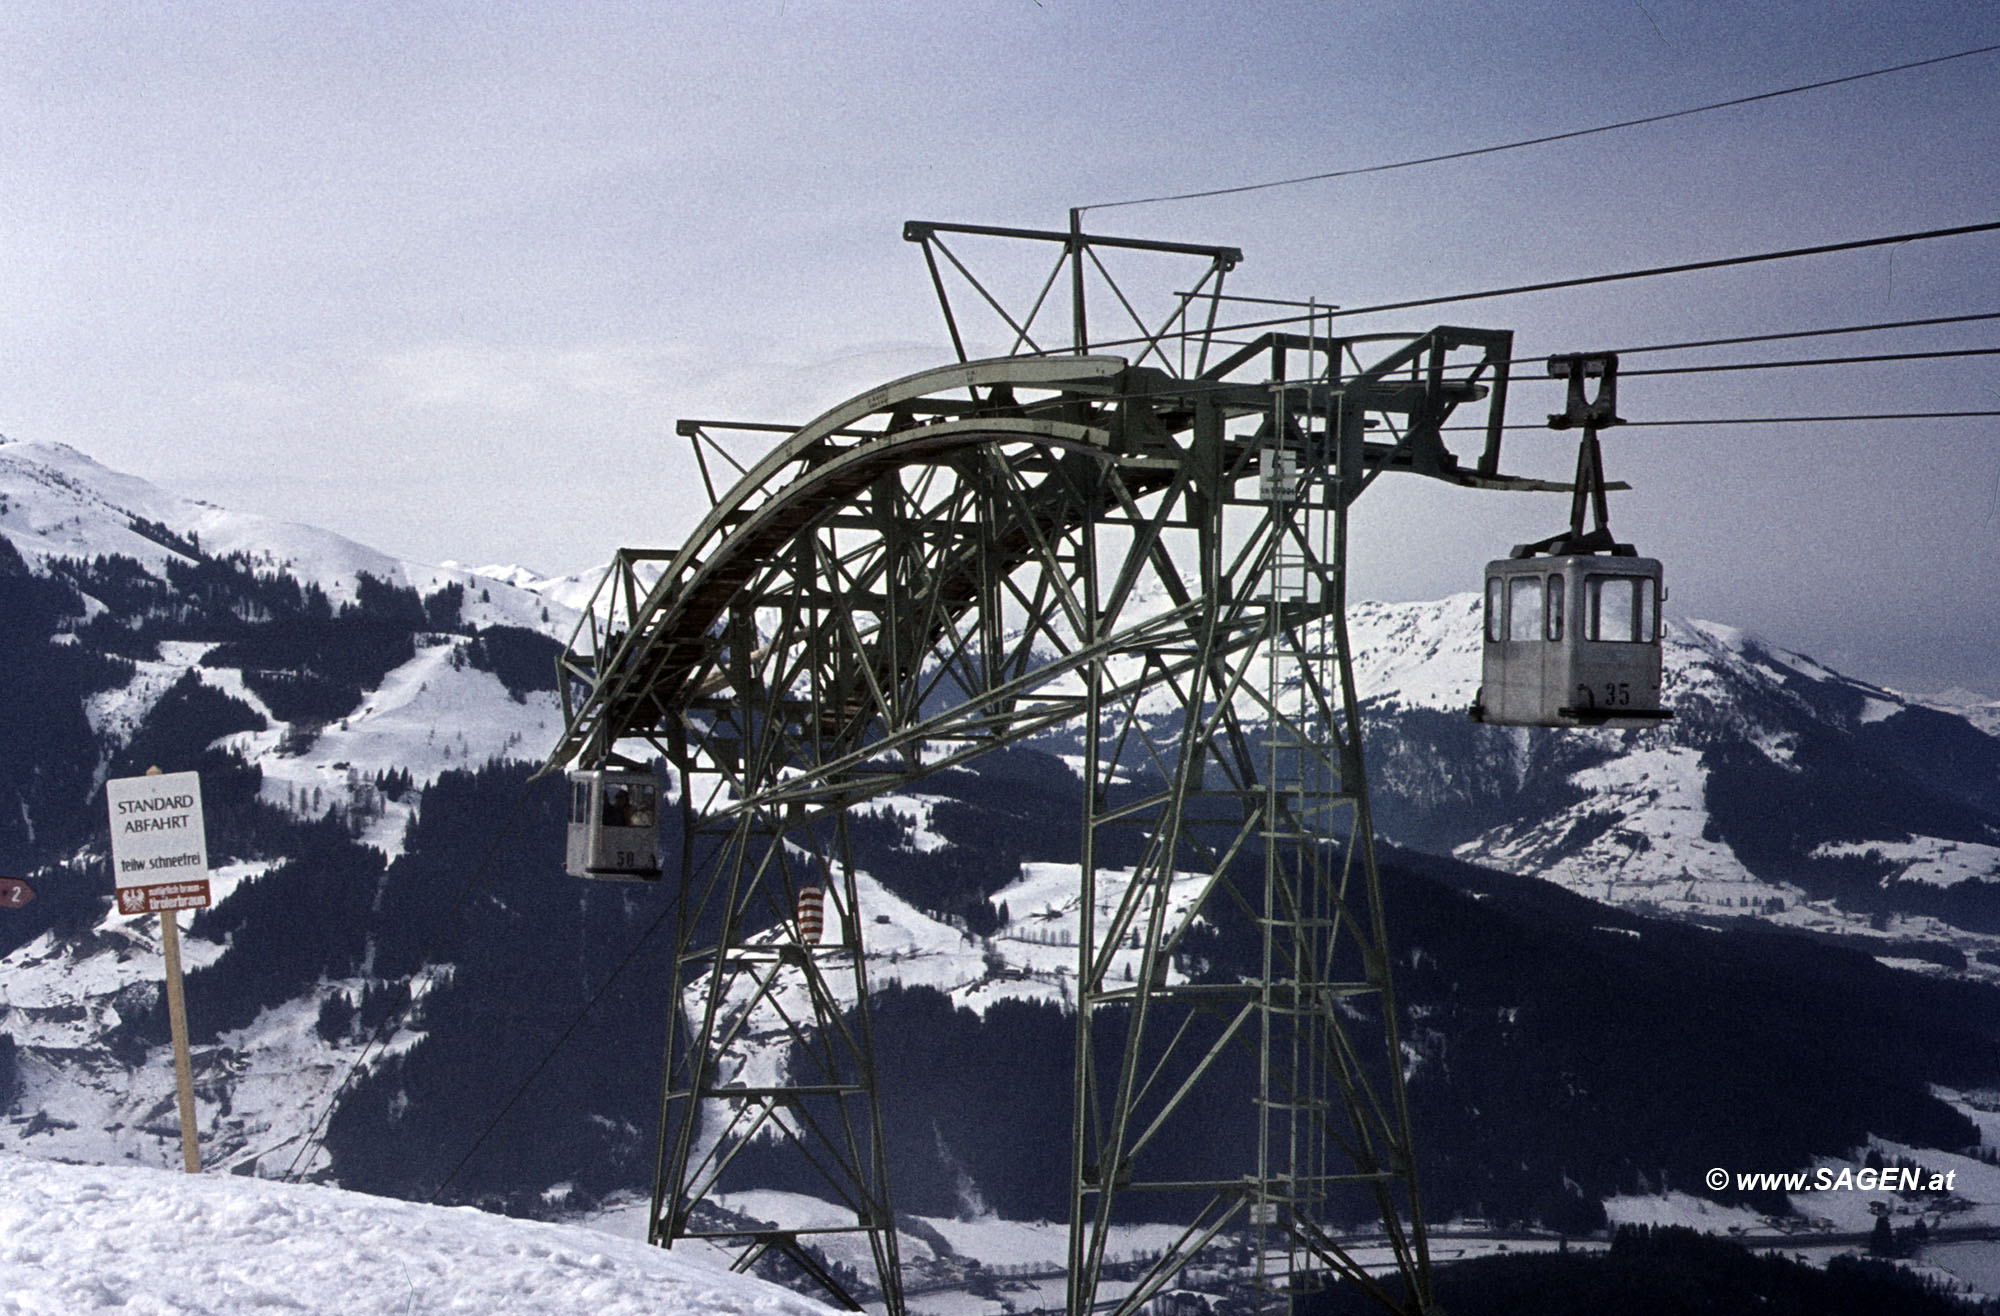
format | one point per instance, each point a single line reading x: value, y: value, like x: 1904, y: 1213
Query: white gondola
x: 614, y: 824
x: 1572, y: 624
x: 1571, y: 640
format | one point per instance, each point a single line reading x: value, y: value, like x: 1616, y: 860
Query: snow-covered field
x: 1657, y: 855
x: 257, y: 1089
x: 1033, y: 957
x: 1923, y: 858
x: 143, y: 1242
x: 1826, y: 1222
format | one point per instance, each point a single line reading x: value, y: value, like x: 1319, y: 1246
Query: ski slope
x: 76, y: 1239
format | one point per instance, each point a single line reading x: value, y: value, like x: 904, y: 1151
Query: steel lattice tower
x: 1142, y: 541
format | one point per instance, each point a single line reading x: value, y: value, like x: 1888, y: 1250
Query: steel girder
x: 1002, y: 549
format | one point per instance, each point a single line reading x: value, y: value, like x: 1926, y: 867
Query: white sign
x: 159, y: 850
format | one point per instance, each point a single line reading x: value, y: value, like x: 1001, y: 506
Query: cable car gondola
x: 1572, y: 623
x: 614, y: 824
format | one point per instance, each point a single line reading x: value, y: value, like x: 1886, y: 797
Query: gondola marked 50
x: 159, y: 848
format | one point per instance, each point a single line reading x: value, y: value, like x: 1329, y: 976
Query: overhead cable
x: 1722, y: 262
x: 1814, y: 361
x: 1545, y: 139
x: 1685, y: 267
x: 1861, y: 359
x: 1812, y: 420
x: 1808, y: 333
x: 302, y: 1159
x: 1755, y: 420
x: 521, y: 1089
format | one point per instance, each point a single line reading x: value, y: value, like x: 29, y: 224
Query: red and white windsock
x: 812, y: 914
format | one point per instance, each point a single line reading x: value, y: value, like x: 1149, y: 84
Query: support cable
x: 1546, y: 138
x: 1722, y: 262
x: 315, y: 1135
x: 1716, y: 368
x: 1759, y: 420
x: 1815, y: 361
x: 1869, y: 358
x: 658, y: 922
x: 1802, y: 333
x: 1685, y: 267
x: 1192, y: 387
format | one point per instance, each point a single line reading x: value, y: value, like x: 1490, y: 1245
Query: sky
x: 442, y: 277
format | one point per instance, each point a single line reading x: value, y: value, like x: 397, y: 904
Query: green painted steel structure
x: 1137, y: 541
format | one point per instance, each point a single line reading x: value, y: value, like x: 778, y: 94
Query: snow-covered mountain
x: 365, y: 728
x: 56, y: 502
x: 1780, y: 790
x: 58, y: 506
x: 320, y: 679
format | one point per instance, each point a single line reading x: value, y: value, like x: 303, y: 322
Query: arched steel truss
x: 1040, y: 545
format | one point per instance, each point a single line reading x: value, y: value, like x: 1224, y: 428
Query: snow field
x: 1032, y: 957
x: 1655, y: 794
x: 1922, y: 859
x: 80, y: 1239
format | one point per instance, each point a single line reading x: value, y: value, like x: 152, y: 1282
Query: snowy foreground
x: 145, y: 1242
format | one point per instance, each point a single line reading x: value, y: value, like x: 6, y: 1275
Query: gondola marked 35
x: 159, y: 847
x: 1572, y: 635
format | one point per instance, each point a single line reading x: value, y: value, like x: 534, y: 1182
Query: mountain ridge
x: 365, y: 742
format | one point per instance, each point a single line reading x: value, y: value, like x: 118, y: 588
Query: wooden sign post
x: 159, y: 853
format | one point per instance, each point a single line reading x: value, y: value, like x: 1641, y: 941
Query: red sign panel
x: 14, y: 893
x: 160, y: 896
